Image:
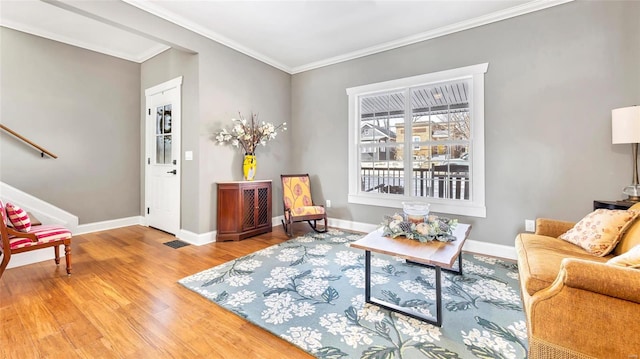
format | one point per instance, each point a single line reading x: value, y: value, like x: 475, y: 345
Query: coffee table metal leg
x: 367, y: 276
x: 438, y: 296
x: 399, y: 309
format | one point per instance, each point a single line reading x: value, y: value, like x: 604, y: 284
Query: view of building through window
x: 430, y: 136
x: 420, y: 138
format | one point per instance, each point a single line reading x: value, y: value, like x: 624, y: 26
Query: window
x: 420, y: 138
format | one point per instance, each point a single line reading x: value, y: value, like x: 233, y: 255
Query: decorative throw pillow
x: 19, y: 218
x: 599, y: 231
x: 629, y: 259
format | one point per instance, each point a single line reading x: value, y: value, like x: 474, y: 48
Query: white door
x: 162, y: 161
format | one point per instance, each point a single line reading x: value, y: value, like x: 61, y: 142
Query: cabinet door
x: 249, y: 206
x: 263, y: 198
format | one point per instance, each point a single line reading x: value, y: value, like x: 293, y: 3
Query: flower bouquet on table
x: 433, y: 229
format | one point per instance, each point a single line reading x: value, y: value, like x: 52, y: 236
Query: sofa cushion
x: 629, y: 259
x: 600, y: 231
x: 539, y: 259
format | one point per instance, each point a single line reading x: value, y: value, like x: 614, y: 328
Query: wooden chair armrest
x: 551, y: 227
x: 13, y: 232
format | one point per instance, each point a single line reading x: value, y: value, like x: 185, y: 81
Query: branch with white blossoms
x: 249, y: 134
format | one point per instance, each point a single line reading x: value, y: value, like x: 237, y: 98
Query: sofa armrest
x: 551, y: 227
x: 589, y: 305
x: 610, y: 280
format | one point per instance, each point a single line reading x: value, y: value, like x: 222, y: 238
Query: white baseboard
x: 35, y: 256
x: 106, y: 225
x: 195, y: 238
x: 490, y: 249
x: 40, y: 255
x: 352, y: 226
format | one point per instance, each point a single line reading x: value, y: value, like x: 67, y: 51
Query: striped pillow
x: 19, y: 218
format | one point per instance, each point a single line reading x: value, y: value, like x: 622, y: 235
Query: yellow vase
x: 249, y: 167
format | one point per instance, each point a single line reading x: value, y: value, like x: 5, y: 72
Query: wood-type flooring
x: 123, y: 301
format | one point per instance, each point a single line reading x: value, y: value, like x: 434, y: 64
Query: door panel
x: 162, y: 189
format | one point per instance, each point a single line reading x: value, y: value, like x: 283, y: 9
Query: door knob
x: 174, y: 172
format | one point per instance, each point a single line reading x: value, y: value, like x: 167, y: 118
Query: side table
x: 612, y: 204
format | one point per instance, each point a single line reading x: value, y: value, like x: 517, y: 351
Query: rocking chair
x: 298, y: 205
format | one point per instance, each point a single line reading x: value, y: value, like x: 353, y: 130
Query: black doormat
x: 176, y: 244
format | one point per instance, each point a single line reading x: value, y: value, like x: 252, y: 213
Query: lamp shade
x: 625, y: 125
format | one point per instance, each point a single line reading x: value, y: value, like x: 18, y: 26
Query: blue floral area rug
x: 310, y: 292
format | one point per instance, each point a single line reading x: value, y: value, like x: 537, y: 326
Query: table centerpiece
x: 434, y: 228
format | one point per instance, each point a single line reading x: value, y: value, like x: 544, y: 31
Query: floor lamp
x: 625, y: 128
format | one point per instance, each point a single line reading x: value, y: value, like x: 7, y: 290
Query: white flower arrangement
x: 249, y: 134
x: 433, y: 229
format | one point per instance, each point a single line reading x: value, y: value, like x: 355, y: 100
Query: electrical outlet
x: 328, y: 203
x: 529, y: 225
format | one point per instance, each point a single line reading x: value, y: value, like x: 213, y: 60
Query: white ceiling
x: 293, y: 36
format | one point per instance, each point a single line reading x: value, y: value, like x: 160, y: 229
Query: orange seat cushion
x: 296, y: 192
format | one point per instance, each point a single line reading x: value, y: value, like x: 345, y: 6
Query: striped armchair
x: 29, y: 238
x: 298, y: 205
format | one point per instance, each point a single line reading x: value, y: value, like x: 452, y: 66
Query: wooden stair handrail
x: 42, y: 150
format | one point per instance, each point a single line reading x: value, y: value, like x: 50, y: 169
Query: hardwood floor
x: 123, y: 301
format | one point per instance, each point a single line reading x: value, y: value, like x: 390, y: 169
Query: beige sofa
x: 577, y: 305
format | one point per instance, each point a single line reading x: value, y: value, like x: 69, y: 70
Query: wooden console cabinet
x: 244, y: 209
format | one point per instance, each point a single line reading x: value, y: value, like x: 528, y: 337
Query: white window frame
x: 474, y: 207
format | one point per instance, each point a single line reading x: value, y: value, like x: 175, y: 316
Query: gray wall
x: 83, y: 107
x: 227, y: 82
x: 218, y: 83
x: 554, y: 76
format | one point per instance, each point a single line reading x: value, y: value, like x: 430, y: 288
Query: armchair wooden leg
x: 56, y: 250
x: 4, y: 263
x: 288, y: 228
x: 67, y: 256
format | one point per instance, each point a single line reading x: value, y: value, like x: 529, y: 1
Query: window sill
x: 455, y: 207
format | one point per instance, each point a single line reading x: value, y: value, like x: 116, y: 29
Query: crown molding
x: 151, y: 8
x: 526, y: 8
x: 442, y: 31
x: 77, y: 43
